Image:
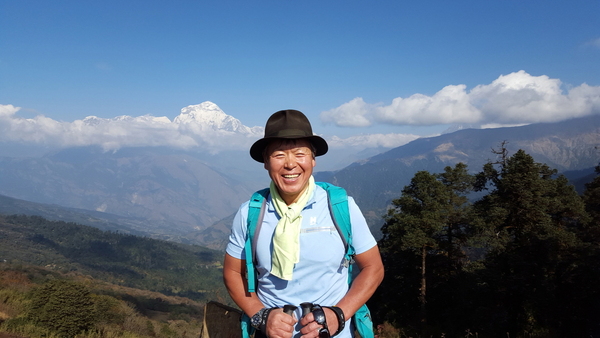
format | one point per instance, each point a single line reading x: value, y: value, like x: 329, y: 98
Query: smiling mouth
x: 291, y: 176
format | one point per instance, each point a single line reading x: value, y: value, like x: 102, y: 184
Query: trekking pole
x: 306, y: 308
x: 289, y: 309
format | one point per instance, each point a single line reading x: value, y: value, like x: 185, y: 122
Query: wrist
x: 259, y: 319
x: 339, y: 314
x: 321, y: 319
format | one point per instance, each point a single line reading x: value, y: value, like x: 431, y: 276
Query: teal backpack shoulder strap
x: 255, y: 216
x: 340, y: 214
x: 256, y: 207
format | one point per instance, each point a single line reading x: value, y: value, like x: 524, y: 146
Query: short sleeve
x: 237, y: 238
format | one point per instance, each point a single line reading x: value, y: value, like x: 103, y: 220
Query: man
x: 299, y: 253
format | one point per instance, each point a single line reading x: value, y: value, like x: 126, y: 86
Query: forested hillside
x: 139, y: 262
x: 38, y: 302
x: 61, y: 279
x: 521, y: 261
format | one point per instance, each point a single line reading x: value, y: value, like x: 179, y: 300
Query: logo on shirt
x: 313, y: 221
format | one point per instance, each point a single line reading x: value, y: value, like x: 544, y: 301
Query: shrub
x: 107, y: 310
x: 62, y: 306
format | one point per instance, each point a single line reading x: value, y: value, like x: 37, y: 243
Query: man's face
x: 290, y: 165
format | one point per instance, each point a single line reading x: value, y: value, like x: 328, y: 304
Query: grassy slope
x: 170, y: 268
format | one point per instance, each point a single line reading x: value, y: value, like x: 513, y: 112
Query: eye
x: 302, y: 152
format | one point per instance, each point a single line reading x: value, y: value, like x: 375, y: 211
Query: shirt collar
x: 312, y: 200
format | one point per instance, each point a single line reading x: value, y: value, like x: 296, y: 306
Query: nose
x: 290, y: 161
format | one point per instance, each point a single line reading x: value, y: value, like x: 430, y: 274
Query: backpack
x: 340, y: 214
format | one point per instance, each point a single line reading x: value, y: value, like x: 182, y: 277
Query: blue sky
x: 354, y: 67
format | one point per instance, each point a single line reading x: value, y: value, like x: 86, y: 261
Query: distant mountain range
x: 570, y: 146
x: 153, y: 191
x: 190, y: 197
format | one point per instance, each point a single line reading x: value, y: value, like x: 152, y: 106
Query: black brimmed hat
x: 287, y: 124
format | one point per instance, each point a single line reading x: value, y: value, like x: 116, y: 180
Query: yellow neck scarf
x: 286, y: 241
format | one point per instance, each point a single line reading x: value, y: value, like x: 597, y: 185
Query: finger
x: 310, y: 328
x: 311, y: 334
x: 281, y: 333
x: 307, y: 319
x: 285, y: 318
x: 280, y: 330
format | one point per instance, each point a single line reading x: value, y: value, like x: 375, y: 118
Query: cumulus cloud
x: 360, y: 142
x: 514, y: 99
x: 351, y: 114
x: 203, y: 127
x: 6, y: 111
x: 446, y: 106
x: 124, y: 131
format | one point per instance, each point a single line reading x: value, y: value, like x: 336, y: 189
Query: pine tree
x: 459, y: 184
x: 591, y: 197
x: 427, y: 221
x: 529, y: 221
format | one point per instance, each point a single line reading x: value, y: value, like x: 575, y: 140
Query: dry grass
x: 14, y: 285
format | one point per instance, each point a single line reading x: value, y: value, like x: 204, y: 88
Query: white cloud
x: 360, y: 142
x: 119, y: 132
x: 522, y: 98
x: 6, y: 111
x: 516, y: 98
x: 446, y: 106
x: 203, y: 127
x: 350, y: 114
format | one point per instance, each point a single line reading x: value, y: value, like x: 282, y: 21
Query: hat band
x: 289, y: 133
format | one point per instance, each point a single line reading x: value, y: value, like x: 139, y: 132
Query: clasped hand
x: 281, y: 325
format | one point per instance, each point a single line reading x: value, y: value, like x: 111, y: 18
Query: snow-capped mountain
x: 211, y: 116
x: 203, y: 126
x: 204, y: 116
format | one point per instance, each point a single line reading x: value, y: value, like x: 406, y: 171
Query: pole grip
x: 306, y: 308
x: 289, y: 309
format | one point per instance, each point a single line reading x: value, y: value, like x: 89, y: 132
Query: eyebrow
x: 293, y: 149
x: 282, y: 143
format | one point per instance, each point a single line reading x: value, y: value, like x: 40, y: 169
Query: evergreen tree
x: 591, y: 197
x: 459, y: 183
x: 426, y: 224
x: 529, y: 221
x: 584, y: 293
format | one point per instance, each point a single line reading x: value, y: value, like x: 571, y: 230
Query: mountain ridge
x: 189, y: 196
x: 174, y: 191
x: 566, y: 146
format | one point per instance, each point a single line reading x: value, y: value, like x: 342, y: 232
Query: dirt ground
x: 9, y: 335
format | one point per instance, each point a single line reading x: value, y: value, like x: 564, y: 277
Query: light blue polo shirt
x: 319, y: 277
